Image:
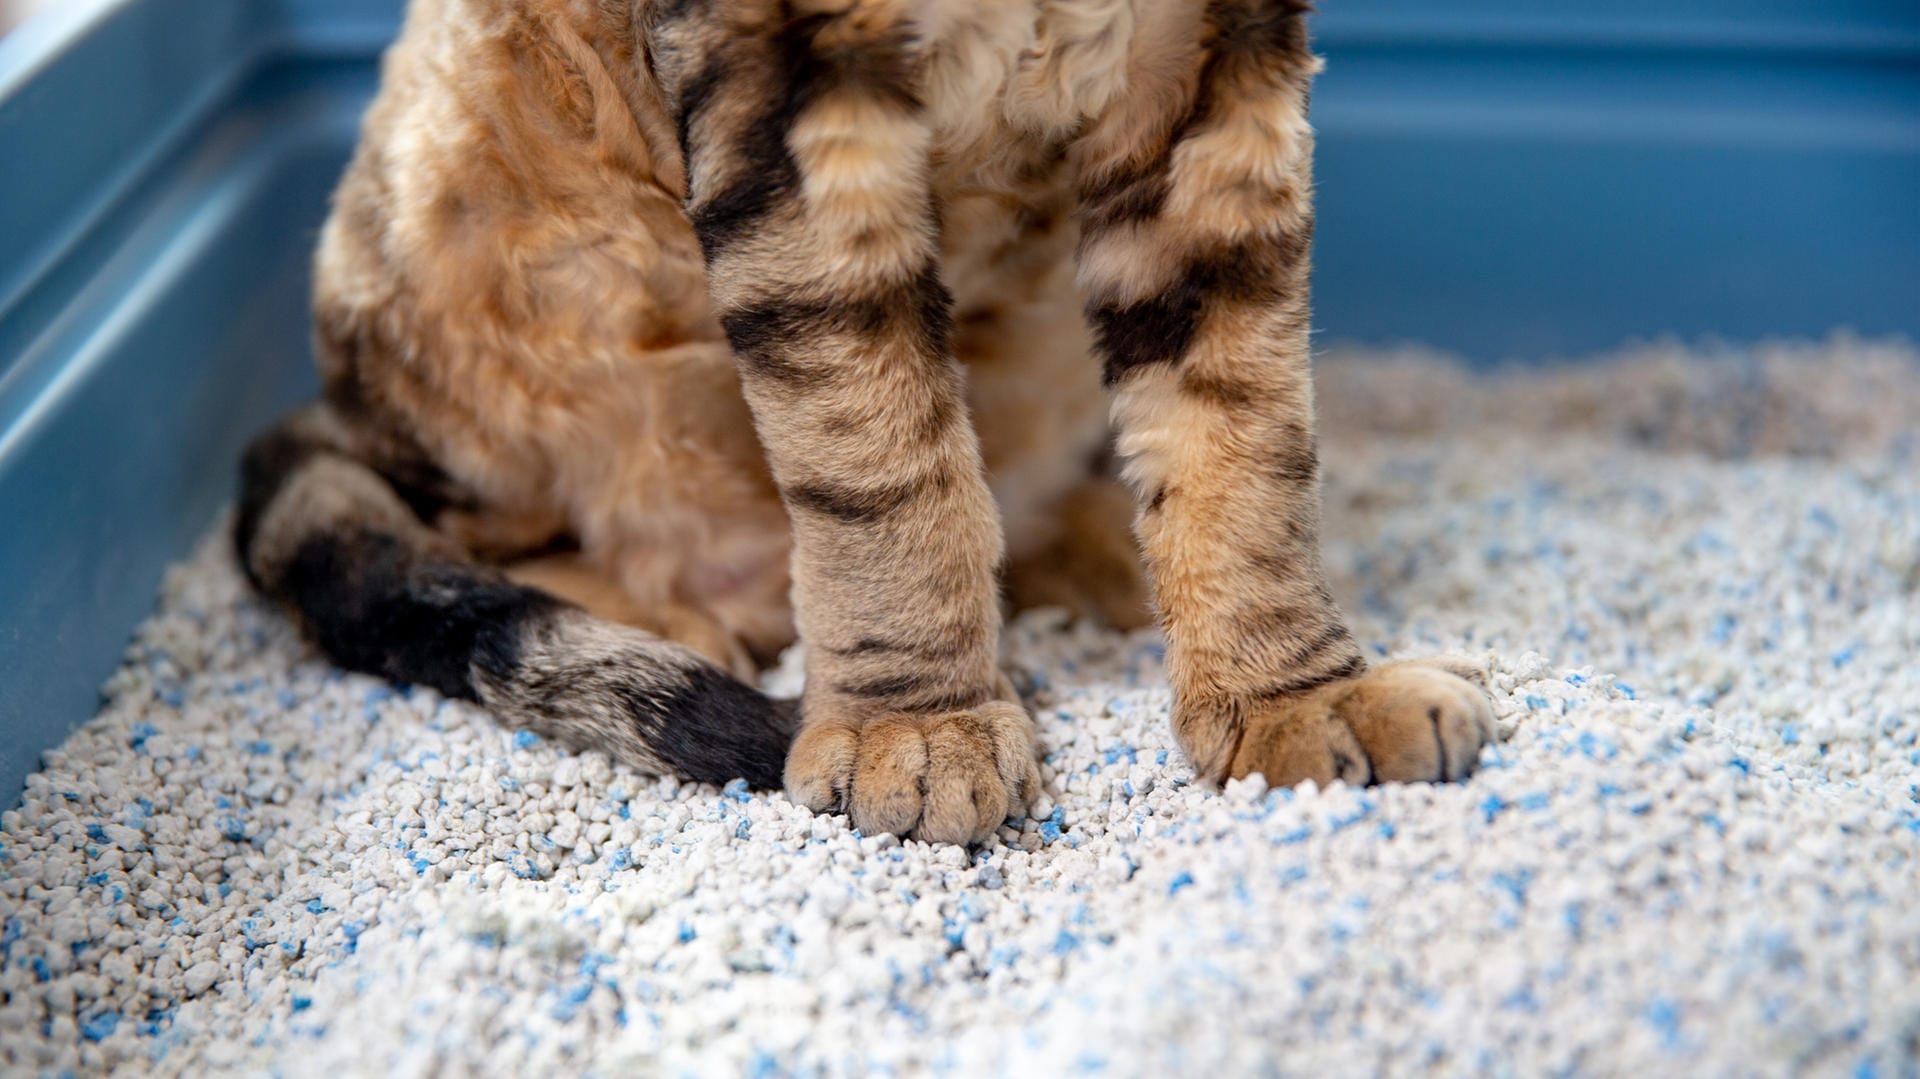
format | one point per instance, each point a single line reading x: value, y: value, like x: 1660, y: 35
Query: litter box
x: 1503, y: 178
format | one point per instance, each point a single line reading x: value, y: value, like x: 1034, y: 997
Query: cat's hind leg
x: 1036, y: 402
x: 807, y: 159
x: 1196, y: 214
x: 1091, y: 567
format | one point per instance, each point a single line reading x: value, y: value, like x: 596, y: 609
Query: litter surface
x: 1693, y: 577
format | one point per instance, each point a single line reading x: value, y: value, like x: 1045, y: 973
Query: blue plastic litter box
x: 1505, y: 178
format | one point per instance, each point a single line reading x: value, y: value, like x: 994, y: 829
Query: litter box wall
x: 1501, y: 177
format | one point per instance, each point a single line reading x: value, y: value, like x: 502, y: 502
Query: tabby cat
x: 654, y: 332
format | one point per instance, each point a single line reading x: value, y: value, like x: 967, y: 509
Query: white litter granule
x: 1694, y: 579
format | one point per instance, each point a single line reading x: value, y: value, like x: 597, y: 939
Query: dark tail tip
x: 657, y: 705
x: 717, y: 728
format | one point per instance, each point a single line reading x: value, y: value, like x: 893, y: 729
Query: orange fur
x: 588, y: 269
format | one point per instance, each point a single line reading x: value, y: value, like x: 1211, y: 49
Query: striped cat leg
x: 1196, y: 211
x: 807, y: 153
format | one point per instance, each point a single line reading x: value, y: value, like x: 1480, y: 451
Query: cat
x: 655, y: 332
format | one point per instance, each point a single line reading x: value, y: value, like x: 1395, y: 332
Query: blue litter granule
x: 259, y: 748
x: 1536, y: 703
x: 301, y: 1004
x: 1361, y: 811
x: 1492, y: 807
x: 736, y: 789
x: 1664, y: 1015
x: 141, y: 732
x: 525, y: 739
x: 578, y: 992
x: 1065, y: 943
x: 1050, y: 828
x: 97, y: 833
x: 101, y: 1026
x: 1596, y: 747
x: 763, y: 1065
x: 990, y: 876
x: 1521, y: 1000
x: 1180, y: 880
x: 1573, y: 916
x: 1514, y: 884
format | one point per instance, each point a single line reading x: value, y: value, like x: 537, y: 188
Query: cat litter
x: 1690, y: 575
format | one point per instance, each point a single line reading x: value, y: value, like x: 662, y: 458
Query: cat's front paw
x: 948, y: 778
x: 1417, y: 721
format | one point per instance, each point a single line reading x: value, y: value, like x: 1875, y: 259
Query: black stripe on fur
x: 800, y: 72
x: 1160, y: 330
x: 851, y: 505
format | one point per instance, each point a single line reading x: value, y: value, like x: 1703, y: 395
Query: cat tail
x: 325, y: 535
